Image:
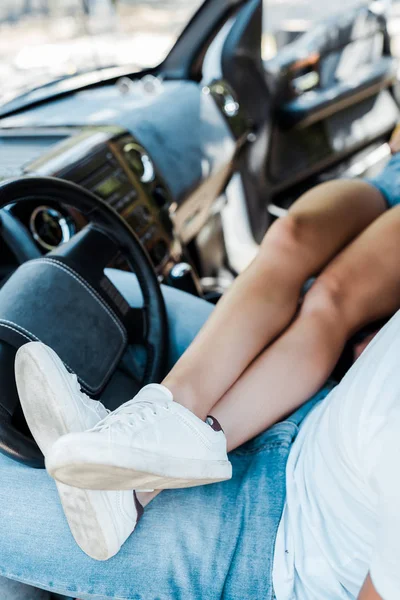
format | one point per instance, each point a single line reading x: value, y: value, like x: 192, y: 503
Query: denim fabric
x: 206, y: 543
x: 14, y: 590
x: 388, y: 181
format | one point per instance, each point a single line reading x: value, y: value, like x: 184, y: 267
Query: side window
x: 285, y: 20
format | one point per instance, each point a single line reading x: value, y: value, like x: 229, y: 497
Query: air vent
x: 139, y: 161
x: 226, y: 99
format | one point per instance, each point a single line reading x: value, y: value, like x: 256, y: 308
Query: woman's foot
x: 54, y: 405
x: 151, y: 442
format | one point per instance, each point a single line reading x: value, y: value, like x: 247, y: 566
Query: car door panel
x: 313, y: 106
x: 332, y: 91
x: 297, y: 154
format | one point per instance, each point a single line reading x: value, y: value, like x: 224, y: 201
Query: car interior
x: 174, y: 173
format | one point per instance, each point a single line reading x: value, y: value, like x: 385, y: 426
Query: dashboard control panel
x: 117, y: 168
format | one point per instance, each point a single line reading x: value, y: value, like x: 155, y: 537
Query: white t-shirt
x: 342, y: 513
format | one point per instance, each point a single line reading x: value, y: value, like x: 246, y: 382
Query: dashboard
x: 109, y: 162
x: 159, y: 154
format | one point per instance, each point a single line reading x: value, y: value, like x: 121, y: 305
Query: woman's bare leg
x: 264, y: 299
x: 361, y: 285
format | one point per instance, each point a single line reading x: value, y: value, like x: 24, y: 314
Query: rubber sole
x: 135, y: 469
x: 84, y: 514
x: 50, y: 416
x: 46, y: 420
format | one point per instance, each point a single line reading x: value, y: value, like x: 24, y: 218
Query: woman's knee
x: 287, y: 243
x: 320, y: 223
x: 284, y: 234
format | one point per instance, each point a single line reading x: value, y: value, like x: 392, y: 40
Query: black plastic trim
x: 320, y: 104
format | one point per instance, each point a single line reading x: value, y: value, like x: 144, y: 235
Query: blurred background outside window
x: 44, y: 40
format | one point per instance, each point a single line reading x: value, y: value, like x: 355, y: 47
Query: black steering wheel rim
x: 109, y: 223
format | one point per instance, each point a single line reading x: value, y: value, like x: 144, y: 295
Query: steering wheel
x: 88, y: 253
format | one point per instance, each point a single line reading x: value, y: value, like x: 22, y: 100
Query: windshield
x: 45, y: 40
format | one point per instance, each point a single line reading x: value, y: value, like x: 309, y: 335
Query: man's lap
x: 209, y: 542
x: 193, y: 543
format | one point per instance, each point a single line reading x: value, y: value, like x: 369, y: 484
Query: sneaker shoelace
x: 132, y: 412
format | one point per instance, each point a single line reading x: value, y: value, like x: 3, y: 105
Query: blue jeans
x: 207, y: 543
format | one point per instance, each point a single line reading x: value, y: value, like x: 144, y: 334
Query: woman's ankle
x: 185, y: 395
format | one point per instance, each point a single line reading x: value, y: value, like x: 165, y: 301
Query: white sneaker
x: 151, y: 442
x: 54, y: 405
